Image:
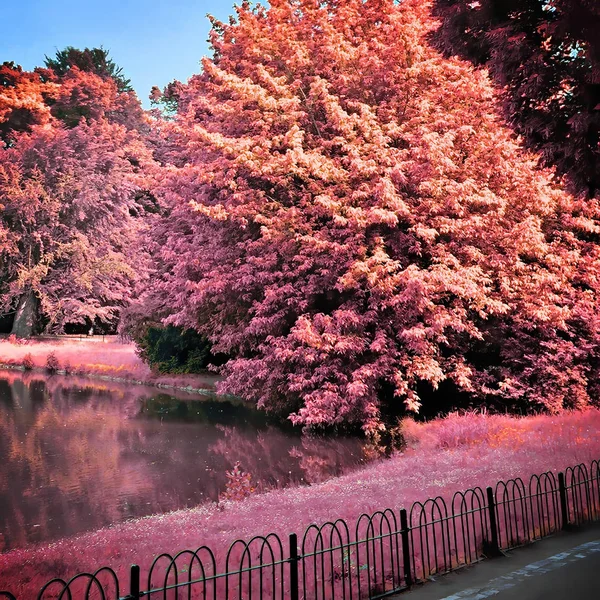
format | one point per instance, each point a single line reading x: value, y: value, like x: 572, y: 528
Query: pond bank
x: 103, y: 358
x: 442, y: 457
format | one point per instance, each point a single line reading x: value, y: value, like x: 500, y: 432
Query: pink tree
x: 24, y: 100
x: 73, y: 188
x: 350, y: 218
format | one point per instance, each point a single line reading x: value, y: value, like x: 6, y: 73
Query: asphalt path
x: 563, y: 567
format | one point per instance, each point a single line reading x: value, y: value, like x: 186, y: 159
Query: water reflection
x: 76, y: 454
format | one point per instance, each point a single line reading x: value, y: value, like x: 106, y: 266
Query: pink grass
x: 442, y: 457
x: 96, y: 356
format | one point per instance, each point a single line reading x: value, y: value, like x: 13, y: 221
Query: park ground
x: 442, y: 457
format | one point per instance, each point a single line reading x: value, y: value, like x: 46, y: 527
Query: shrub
x: 175, y: 350
x: 52, y: 363
x: 238, y: 486
x: 28, y: 362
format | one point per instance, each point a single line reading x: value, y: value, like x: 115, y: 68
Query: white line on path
x: 504, y: 582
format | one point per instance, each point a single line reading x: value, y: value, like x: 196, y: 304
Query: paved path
x: 563, y: 567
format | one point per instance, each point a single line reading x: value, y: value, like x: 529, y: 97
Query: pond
x: 78, y: 454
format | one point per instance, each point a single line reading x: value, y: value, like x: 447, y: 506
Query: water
x: 78, y: 454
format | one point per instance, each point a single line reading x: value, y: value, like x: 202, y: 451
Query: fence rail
x: 381, y: 554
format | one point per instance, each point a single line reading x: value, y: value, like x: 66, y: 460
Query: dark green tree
x: 545, y: 55
x: 92, y: 60
x: 167, y: 101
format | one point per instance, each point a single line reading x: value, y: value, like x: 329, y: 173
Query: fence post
x: 564, y: 507
x: 294, y: 560
x: 494, y: 544
x: 404, y: 531
x: 134, y: 583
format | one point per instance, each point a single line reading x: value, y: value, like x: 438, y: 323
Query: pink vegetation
x: 94, y: 356
x: 351, y: 217
x: 442, y: 457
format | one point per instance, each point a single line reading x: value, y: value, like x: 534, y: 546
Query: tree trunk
x: 26, y: 317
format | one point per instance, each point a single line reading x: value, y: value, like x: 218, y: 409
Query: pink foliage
x: 239, y: 484
x: 351, y: 218
x: 74, y: 187
x: 443, y: 457
x: 52, y: 363
x: 27, y: 362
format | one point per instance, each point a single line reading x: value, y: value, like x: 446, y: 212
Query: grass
x: 96, y: 356
x: 442, y: 457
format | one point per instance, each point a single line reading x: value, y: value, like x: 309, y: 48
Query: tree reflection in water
x: 78, y: 454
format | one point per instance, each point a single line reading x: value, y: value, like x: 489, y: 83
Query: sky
x: 155, y: 41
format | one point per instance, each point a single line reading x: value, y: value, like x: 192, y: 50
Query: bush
x: 238, y: 486
x: 175, y: 350
x: 28, y: 362
x: 52, y: 363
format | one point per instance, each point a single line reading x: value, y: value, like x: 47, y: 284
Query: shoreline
x: 106, y: 359
x: 442, y: 457
x: 91, y: 375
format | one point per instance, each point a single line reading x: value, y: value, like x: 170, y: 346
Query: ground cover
x: 105, y: 356
x: 442, y: 456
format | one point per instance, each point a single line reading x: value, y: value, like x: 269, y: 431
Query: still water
x: 77, y: 455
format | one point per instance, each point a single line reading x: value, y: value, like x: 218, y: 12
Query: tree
x: 167, y: 100
x: 350, y: 220
x: 83, y: 95
x: 25, y: 99
x: 545, y: 55
x: 90, y: 60
x: 74, y: 197
x: 33, y: 98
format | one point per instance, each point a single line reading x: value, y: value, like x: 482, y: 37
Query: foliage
x: 167, y: 100
x: 52, y: 363
x: 74, y: 196
x: 349, y: 219
x: 28, y: 363
x: 24, y: 100
x: 91, y: 60
x: 174, y: 350
x: 238, y: 486
x: 545, y: 54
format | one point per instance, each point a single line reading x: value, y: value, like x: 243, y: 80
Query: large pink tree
x: 73, y: 196
x: 351, y: 219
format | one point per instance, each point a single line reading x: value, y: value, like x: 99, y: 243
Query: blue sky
x: 155, y: 41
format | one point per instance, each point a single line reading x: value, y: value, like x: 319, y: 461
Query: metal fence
x: 381, y: 554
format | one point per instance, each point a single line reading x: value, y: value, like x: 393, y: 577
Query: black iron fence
x: 380, y: 555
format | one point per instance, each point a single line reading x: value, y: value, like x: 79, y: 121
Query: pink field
x: 442, y: 457
x: 97, y: 357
